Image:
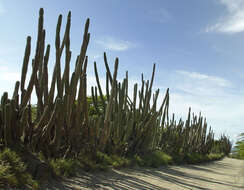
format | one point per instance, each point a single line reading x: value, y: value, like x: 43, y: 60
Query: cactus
x: 119, y: 124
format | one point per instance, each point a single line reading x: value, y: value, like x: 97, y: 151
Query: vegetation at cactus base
x: 69, y: 129
x: 238, y: 150
x: 13, y: 171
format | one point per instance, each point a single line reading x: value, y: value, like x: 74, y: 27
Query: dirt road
x: 226, y: 174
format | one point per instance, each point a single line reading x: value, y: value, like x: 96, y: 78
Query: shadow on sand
x: 128, y: 179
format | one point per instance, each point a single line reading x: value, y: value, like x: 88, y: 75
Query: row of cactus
x: 187, y: 137
x: 222, y: 145
x: 68, y: 122
x: 130, y: 125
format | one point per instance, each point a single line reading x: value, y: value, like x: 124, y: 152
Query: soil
x: 226, y: 174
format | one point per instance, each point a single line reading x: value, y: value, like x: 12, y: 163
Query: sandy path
x: 226, y: 174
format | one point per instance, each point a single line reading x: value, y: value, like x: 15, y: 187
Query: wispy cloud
x: 208, y: 79
x: 218, y: 99
x: 233, y: 22
x: 7, y: 75
x: 113, y: 44
x: 95, y: 56
x: 161, y: 15
x: 2, y: 9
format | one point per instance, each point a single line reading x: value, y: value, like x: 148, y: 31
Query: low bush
x: 156, y: 159
x: 195, y: 158
x: 120, y: 162
x: 103, y: 161
x: 13, y: 172
x: 213, y: 157
x: 65, y: 167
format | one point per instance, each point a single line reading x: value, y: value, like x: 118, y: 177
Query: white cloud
x: 8, y: 78
x: 210, y: 80
x: 8, y: 75
x: 233, y: 22
x: 97, y: 56
x: 113, y: 44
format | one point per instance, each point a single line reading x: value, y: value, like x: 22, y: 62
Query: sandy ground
x: 226, y: 174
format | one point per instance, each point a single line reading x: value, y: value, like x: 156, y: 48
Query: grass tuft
x: 13, y: 171
x: 157, y: 159
x: 65, y: 167
x: 195, y: 158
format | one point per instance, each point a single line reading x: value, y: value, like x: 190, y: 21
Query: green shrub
x: 119, y: 162
x: 65, y: 167
x: 137, y: 161
x: 13, y: 171
x: 153, y: 159
x: 195, y: 158
x: 100, y: 162
x: 212, y: 156
x: 103, y: 159
x: 157, y: 158
x: 241, y: 150
x: 178, y: 158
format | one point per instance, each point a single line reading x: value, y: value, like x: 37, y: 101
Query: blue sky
x: 198, y: 48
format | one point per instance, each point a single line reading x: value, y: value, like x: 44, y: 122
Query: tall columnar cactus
x: 61, y: 124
